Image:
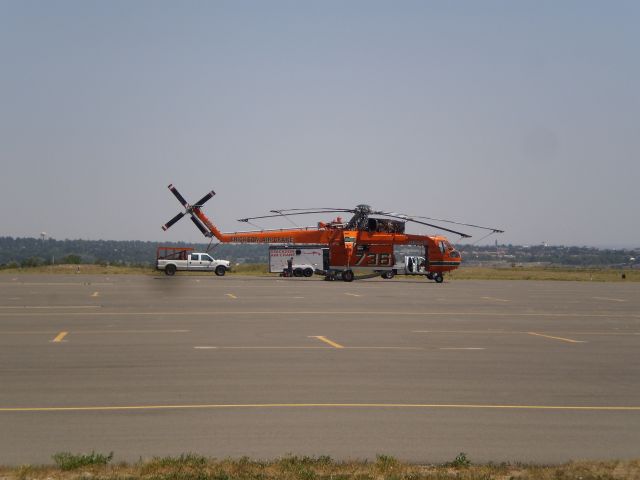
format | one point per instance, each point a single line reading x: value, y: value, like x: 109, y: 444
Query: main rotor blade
x: 180, y: 198
x: 198, y: 224
x: 204, y: 199
x: 172, y: 221
x: 407, y: 218
x: 330, y: 209
x: 494, y: 230
x: 295, y: 213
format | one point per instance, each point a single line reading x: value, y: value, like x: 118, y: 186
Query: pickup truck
x: 172, y: 259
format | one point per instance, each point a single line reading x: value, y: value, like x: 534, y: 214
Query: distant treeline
x: 27, y: 252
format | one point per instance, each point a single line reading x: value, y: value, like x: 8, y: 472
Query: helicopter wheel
x: 347, y: 275
x: 438, y: 277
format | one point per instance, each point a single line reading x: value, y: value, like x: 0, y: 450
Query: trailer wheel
x: 387, y: 275
x: 170, y: 270
x: 307, y: 272
x: 347, y: 275
x: 297, y: 272
x: 438, y: 277
x: 220, y: 270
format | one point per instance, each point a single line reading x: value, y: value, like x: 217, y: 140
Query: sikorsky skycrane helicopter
x: 364, y: 243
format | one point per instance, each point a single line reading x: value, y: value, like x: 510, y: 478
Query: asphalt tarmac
x: 232, y: 366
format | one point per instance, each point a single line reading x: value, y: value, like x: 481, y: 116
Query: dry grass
x: 196, y: 467
x: 545, y: 273
x: 463, y: 273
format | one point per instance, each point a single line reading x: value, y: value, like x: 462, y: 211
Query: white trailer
x: 298, y: 260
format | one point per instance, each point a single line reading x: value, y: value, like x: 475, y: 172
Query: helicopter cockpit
x: 384, y: 225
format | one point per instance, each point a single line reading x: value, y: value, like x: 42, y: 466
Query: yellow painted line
x: 562, y: 339
x: 231, y: 295
x: 327, y: 341
x: 353, y: 294
x: 59, y: 337
x: 610, y: 299
x: 214, y: 406
x: 495, y: 299
x: 95, y: 294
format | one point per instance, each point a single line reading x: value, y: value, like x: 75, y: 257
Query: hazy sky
x: 520, y: 115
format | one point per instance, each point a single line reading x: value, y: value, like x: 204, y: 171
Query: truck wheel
x: 220, y: 270
x: 438, y: 277
x: 347, y: 275
x: 297, y: 272
x: 387, y: 275
x: 307, y: 272
x: 170, y: 270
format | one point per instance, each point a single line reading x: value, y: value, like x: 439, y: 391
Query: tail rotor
x: 189, y: 209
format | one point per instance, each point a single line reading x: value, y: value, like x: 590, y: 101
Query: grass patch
x: 71, y: 461
x: 191, y: 466
x: 545, y: 273
x: 262, y: 269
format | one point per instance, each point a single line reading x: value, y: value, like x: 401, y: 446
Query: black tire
x: 221, y: 270
x: 438, y: 277
x: 170, y: 270
x: 297, y: 272
x: 388, y: 275
x: 347, y: 276
x: 307, y: 272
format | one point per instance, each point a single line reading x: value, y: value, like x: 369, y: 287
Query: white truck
x: 298, y: 260
x: 172, y: 259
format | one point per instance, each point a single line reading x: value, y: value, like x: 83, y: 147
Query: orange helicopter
x: 362, y: 244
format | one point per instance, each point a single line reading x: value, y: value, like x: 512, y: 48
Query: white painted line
x: 562, y: 339
x: 353, y: 294
x: 495, y: 299
x: 462, y: 348
x: 205, y: 348
x: 50, y: 306
x: 610, y: 299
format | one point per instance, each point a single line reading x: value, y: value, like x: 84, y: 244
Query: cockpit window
x: 442, y: 246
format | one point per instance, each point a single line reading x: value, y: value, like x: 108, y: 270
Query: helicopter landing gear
x: 438, y: 277
x: 347, y: 276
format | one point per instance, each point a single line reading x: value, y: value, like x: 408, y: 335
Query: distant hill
x: 35, y: 251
